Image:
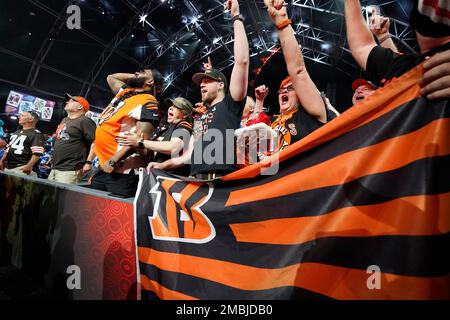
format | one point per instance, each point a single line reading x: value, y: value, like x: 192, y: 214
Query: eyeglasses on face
x: 286, y: 89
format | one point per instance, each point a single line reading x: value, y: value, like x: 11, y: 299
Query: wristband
x: 283, y: 24
x: 238, y: 17
x: 383, y: 39
x: 141, y: 144
x: 112, y: 163
x: 88, y: 162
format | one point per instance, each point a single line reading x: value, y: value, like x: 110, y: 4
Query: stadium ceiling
x: 39, y: 53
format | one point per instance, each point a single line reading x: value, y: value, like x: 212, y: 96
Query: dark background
x: 39, y: 55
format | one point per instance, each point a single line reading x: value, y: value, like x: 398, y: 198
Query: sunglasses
x: 286, y: 89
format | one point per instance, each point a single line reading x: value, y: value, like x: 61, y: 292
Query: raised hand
x: 233, y: 6
x: 261, y: 92
x: 208, y: 65
x: 379, y: 25
x: 277, y: 10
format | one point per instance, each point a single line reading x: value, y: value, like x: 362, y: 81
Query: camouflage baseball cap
x: 180, y: 103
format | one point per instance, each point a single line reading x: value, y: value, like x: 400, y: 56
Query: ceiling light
x: 325, y: 46
x: 142, y: 18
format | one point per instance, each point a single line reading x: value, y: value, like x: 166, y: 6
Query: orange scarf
x: 281, y: 120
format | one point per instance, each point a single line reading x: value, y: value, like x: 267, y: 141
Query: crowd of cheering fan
x: 197, y: 139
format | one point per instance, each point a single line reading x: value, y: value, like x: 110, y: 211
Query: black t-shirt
x: 384, y: 64
x: 214, y: 150
x: 23, y: 145
x: 181, y: 130
x: 297, y: 126
x: 72, y: 143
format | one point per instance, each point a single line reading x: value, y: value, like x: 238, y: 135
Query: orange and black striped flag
x: 359, y: 209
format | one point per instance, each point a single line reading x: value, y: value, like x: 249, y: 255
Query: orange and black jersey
x: 296, y: 125
x: 23, y: 145
x: 125, y: 110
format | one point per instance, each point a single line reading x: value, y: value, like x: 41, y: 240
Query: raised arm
x: 379, y: 26
x: 360, y: 39
x: 117, y: 80
x: 260, y: 95
x: 239, y: 75
x: 305, y: 88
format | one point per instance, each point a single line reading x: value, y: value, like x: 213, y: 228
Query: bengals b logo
x: 177, y: 213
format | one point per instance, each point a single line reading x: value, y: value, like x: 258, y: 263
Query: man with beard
x: 169, y: 139
x: 134, y: 109
x: 212, y: 151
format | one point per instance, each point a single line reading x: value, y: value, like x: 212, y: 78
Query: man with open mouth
x: 362, y: 89
x: 168, y: 139
x: 211, y: 151
x: 302, y: 109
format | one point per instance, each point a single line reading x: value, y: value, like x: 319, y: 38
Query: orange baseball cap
x: 84, y: 103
